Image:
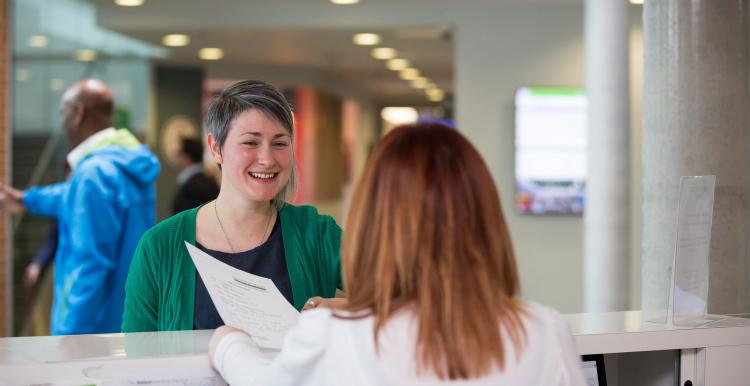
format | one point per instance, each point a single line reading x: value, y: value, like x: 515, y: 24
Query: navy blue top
x: 46, y: 252
x: 267, y: 260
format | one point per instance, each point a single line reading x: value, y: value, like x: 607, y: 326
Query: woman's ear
x: 215, y: 149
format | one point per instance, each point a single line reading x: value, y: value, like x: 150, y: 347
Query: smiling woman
x: 257, y: 156
x: 250, y: 226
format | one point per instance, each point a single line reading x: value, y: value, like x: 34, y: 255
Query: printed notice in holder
x: 246, y: 301
x: 689, y: 304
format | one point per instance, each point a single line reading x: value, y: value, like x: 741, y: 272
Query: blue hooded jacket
x: 102, y: 211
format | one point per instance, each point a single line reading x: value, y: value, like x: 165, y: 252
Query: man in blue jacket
x: 102, y: 211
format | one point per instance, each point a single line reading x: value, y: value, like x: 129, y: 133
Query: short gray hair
x: 246, y: 95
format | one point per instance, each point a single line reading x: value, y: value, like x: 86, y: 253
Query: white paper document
x: 67, y: 382
x: 177, y: 381
x: 246, y: 301
x: 590, y: 374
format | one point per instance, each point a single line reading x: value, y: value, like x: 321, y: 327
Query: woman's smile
x: 263, y: 177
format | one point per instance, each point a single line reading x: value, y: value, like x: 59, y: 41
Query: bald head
x: 86, y: 108
x: 93, y: 94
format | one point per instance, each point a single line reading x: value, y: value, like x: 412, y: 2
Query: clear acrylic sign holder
x: 688, y: 303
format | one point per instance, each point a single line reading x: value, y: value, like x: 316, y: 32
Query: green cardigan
x: 160, y: 289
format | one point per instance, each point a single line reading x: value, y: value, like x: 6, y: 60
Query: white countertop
x: 155, y: 358
x: 149, y: 354
x: 604, y: 332
x: 38, y: 349
x: 629, y: 331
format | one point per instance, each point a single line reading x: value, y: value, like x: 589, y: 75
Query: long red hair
x: 426, y: 228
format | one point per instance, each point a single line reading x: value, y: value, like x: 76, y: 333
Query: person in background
x: 102, y: 211
x: 249, y: 226
x: 195, y: 186
x: 42, y: 258
x: 432, y: 286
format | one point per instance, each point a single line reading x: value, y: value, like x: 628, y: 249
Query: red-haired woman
x: 431, y: 284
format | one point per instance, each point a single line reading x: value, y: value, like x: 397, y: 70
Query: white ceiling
x: 317, y: 47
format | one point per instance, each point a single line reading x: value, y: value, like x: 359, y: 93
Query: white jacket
x: 328, y: 350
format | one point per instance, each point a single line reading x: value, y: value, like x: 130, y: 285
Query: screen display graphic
x: 551, y: 150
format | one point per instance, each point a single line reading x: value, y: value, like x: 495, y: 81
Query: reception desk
x: 636, y: 352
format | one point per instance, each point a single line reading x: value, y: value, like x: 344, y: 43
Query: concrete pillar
x: 606, y: 217
x: 696, y: 105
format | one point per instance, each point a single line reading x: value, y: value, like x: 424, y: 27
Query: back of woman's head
x: 426, y: 229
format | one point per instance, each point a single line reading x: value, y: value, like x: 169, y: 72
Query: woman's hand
x: 216, y: 338
x: 317, y: 301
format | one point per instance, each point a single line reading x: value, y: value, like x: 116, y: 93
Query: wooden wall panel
x: 329, y: 156
x: 5, y: 266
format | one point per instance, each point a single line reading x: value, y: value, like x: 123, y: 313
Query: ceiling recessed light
x: 399, y: 115
x: 129, y: 3
x: 383, y: 53
x: 435, y: 95
x: 56, y: 84
x: 420, y: 82
x: 636, y: 1
x: 344, y: 2
x: 85, y: 55
x: 366, y: 39
x: 38, y: 41
x: 175, y: 40
x: 397, y: 64
x: 23, y: 75
x: 409, y: 74
x: 211, y: 53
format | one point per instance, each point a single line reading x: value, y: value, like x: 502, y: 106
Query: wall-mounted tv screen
x: 550, y: 150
